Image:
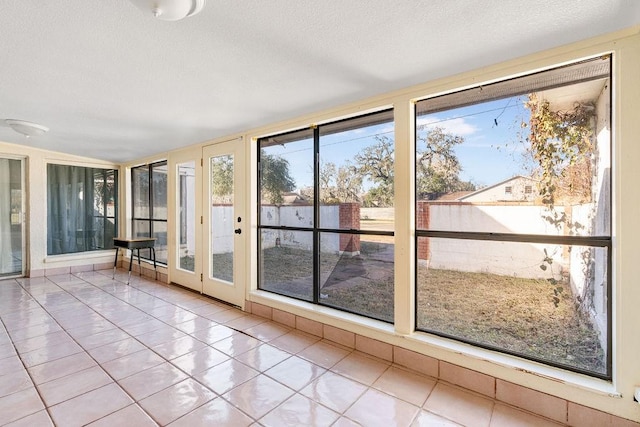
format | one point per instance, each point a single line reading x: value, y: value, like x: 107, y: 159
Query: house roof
x: 457, y: 195
x: 498, y: 184
x: 114, y: 83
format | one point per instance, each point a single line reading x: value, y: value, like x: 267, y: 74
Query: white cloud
x: 456, y: 126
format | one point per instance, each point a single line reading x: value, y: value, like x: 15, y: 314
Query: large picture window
x: 513, y: 216
x: 81, y: 208
x: 326, y: 215
x: 149, y: 219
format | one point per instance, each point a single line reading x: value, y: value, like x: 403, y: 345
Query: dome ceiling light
x: 25, y: 128
x: 170, y: 10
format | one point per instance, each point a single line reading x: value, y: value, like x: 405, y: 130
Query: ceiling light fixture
x: 27, y: 129
x: 170, y: 10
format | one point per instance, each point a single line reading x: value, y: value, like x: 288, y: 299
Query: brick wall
x: 350, y: 219
x: 423, y: 214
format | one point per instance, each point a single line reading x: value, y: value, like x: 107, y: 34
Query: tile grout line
x: 81, y: 346
x: 146, y: 289
x: 321, y: 339
x: 46, y: 408
x: 168, y: 361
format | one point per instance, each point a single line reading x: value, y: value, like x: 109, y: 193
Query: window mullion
x: 316, y: 215
x: 150, y: 217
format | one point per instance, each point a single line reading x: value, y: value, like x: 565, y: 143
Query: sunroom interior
x: 439, y: 233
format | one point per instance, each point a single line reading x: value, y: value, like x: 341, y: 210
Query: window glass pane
x: 97, y: 239
x: 110, y: 232
x: 527, y: 157
x: 222, y: 265
x: 286, y: 263
x: 350, y: 163
x: 543, y: 155
x: 159, y: 173
x: 99, y: 194
x: 543, y: 301
x: 186, y: 215
x: 140, y: 190
x: 111, y: 194
x: 160, y: 233
x: 149, y: 188
x: 356, y: 273
x: 222, y: 217
x: 141, y: 229
x: 11, y: 217
x: 76, y: 209
x: 356, y: 173
x: 286, y: 180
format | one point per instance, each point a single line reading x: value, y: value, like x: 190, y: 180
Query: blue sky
x: 490, y: 154
x: 492, y: 151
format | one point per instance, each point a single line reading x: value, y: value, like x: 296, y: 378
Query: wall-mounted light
x: 170, y: 10
x: 27, y: 129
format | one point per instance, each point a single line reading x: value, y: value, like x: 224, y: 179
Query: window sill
x: 146, y: 263
x: 77, y: 256
x: 501, y: 361
x: 327, y: 315
x: 492, y: 363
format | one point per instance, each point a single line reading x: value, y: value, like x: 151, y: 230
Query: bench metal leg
x: 115, y: 264
x: 153, y: 251
x: 130, y: 264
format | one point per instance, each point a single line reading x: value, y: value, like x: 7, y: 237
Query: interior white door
x: 224, y: 224
x: 185, y: 245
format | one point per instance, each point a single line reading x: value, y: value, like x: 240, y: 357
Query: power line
x: 420, y: 127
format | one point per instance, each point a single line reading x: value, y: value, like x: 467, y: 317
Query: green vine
x: 561, y: 144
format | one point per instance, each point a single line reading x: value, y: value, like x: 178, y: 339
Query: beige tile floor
x: 83, y: 349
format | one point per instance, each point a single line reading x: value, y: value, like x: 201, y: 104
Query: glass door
x: 12, y: 259
x: 185, y: 247
x: 224, y: 225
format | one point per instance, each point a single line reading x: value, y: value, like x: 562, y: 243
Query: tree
x: 437, y: 166
x: 348, y: 183
x: 339, y: 184
x: 275, y: 178
x: 327, y: 187
x: 376, y: 163
x: 222, y: 179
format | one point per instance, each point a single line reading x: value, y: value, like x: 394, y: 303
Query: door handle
x: 238, y: 231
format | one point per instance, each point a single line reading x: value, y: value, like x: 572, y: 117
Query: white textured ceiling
x: 113, y: 83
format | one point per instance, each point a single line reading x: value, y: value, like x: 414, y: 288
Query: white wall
x: 597, y: 215
x: 504, y: 258
x: 222, y: 229
x: 492, y: 218
x: 36, y: 216
x: 299, y: 216
x: 610, y: 396
x: 377, y: 213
